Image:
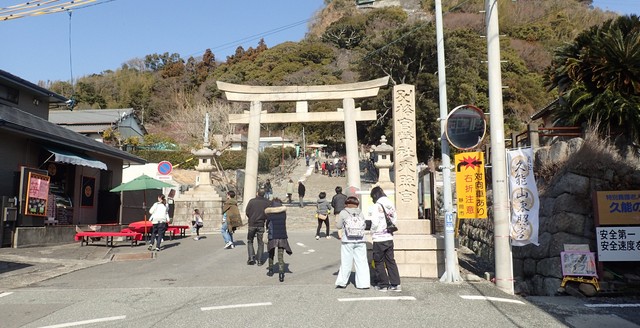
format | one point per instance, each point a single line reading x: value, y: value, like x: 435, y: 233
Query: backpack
x: 354, y: 226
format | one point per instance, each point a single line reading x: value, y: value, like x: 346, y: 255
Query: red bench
x: 173, y: 231
x: 85, y: 237
x: 177, y: 230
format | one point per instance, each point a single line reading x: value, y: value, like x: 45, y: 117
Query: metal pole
x: 452, y: 272
x: 504, y: 269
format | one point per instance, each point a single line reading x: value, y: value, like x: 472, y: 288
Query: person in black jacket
x: 277, y: 235
x: 301, y: 192
x: 257, y: 217
x: 338, y: 204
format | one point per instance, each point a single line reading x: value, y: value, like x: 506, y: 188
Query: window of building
x: 9, y: 94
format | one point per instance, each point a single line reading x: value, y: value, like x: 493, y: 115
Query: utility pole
x: 452, y: 272
x: 504, y: 267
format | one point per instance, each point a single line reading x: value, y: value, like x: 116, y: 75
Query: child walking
x: 197, y: 223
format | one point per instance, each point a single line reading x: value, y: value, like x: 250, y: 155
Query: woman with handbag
x: 322, y: 213
x: 388, y: 277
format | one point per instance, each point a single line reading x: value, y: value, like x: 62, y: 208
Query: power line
x: 45, y: 7
x: 254, y: 37
x: 410, y: 32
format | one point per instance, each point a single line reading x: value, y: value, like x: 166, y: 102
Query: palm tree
x: 598, y: 77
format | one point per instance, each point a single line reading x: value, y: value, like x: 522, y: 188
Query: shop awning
x: 65, y: 156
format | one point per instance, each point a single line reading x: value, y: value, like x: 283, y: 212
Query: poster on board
x: 37, y: 194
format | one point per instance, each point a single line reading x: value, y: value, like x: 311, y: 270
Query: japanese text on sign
x: 618, y: 207
x: 618, y: 243
x: 524, y: 198
x: 470, y: 185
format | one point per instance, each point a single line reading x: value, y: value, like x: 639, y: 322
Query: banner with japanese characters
x: 471, y: 186
x: 524, y: 198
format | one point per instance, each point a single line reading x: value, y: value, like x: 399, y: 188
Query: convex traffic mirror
x: 465, y: 127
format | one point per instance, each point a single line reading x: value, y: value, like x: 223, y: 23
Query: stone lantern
x: 205, y: 165
x: 204, y: 196
x: 383, y: 163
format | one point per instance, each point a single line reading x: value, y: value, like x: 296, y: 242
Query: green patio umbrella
x: 143, y: 183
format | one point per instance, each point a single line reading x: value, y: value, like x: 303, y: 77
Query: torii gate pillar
x: 351, y: 145
x: 253, y: 150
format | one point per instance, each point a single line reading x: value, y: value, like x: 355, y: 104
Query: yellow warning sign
x: 470, y: 185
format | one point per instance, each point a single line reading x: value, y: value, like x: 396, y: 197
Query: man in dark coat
x: 337, y: 203
x: 301, y: 192
x: 256, y: 221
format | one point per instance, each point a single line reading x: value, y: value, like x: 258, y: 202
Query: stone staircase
x: 303, y: 218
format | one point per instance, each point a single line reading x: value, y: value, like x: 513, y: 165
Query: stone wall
x: 566, y: 212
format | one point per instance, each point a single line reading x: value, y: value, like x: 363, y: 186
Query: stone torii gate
x: 349, y: 114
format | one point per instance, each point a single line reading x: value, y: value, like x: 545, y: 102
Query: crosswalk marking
x: 378, y: 298
x: 86, y: 322
x: 489, y: 298
x: 233, y: 306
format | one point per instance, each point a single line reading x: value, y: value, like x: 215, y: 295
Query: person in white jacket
x: 353, y: 250
x: 159, y: 218
x: 388, y: 277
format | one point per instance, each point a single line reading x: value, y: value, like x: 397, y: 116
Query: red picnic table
x: 85, y: 236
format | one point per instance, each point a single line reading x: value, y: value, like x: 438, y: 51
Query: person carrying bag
x: 322, y: 214
x: 383, y: 210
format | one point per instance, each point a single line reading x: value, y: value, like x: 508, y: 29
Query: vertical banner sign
x: 525, y: 203
x: 470, y: 185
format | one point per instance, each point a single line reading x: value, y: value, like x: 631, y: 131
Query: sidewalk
x: 24, y: 266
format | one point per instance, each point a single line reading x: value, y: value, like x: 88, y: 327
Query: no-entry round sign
x: 165, y: 168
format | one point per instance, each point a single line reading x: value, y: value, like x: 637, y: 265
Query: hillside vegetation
x: 346, y: 44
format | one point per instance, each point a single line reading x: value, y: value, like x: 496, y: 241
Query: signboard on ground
x: 618, y: 243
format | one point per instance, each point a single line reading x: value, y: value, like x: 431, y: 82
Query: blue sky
x: 106, y: 35
x: 110, y: 32
x: 623, y: 7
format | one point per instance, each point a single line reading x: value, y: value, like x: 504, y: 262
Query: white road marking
x: 611, y: 305
x: 379, y: 298
x: 6, y: 294
x: 86, y: 322
x: 301, y: 244
x: 489, y: 298
x: 222, y: 307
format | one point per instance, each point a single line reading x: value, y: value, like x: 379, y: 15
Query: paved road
x: 197, y: 283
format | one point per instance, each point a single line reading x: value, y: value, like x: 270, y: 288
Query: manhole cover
x: 132, y: 256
